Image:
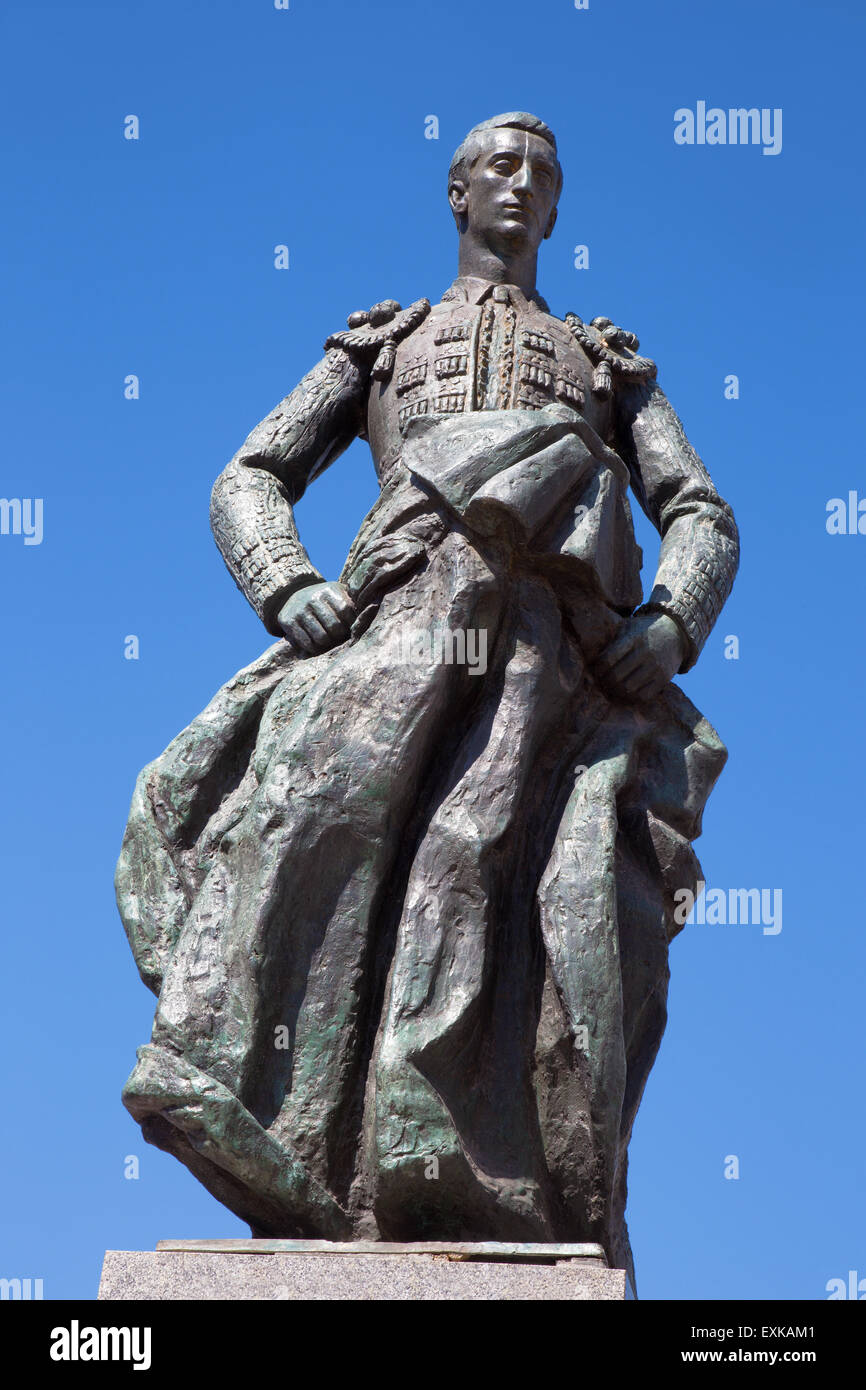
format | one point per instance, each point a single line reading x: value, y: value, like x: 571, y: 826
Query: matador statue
x: 408, y: 919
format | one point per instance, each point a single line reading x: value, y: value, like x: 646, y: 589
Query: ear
x: 551, y: 223
x: 457, y: 197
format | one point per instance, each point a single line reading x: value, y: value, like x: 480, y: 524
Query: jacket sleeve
x: 700, y: 543
x: 252, y: 500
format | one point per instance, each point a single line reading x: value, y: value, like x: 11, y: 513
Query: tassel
x: 602, y: 381
x: 384, y: 364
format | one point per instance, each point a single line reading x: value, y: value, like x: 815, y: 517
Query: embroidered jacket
x: 483, y: 347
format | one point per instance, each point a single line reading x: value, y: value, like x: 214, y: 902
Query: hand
x: 317, y: 618
x: 647, y: 650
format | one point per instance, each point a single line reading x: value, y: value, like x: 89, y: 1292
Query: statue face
x: 509, y: 199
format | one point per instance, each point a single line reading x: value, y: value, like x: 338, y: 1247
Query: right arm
x: 252, y: 500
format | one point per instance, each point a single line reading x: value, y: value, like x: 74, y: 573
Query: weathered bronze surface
x: 405, y: 888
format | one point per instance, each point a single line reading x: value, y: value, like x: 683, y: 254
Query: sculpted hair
x: 467, y: 153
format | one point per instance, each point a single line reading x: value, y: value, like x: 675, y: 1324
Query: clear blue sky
x: 155, y: 257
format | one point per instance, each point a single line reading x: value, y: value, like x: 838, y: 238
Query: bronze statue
x: 408, y: 918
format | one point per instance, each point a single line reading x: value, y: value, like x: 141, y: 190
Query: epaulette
x: 613, y: 353
x: 376, y: 332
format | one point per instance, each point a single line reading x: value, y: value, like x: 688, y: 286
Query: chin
x: 514, y: 232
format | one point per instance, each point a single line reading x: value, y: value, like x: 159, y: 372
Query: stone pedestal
x: 364, y: 1270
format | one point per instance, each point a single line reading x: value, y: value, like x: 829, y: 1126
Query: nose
x: 522, y: 181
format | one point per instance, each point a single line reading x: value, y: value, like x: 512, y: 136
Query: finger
x: 341, y: 603
x: 650, y: 688
x: 614, y: 686
x: 298, y: 638
x: 333, y: 625
x: 638, y: 681
x: 614, y: 653
x: 631, y: 661
x: 315, y: 631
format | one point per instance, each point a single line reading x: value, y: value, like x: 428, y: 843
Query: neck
x: 503, y: 268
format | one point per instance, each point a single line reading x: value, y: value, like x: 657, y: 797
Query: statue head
x: 504, y: 183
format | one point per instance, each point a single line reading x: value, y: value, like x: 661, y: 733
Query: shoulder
x: 373, y: 334
x: 613, y: 352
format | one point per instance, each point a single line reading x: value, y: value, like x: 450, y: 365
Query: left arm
x: 699, y: 550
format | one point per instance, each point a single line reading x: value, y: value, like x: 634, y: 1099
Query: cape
x: 408, y: 921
